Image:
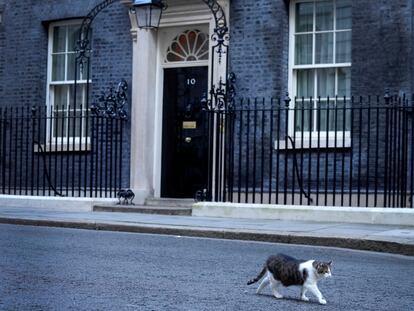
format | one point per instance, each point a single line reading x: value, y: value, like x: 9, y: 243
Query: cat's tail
x: 257, y: 278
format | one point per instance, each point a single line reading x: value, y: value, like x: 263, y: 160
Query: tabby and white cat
x: 285, y: 270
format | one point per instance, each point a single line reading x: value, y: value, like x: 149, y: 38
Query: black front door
x: 184, y: 140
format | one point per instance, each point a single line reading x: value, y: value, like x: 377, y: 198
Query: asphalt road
x: 70, y: 269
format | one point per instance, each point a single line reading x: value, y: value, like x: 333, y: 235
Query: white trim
x: 50, y: 139
x: 165, y: 37
x: 185, y: 64
x: 68, y: 82
x: 320, y: 214
x: 62, y: 146
x: 323, y: 142
x: 321, y: 66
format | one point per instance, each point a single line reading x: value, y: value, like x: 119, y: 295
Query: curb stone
x: 229, y: 234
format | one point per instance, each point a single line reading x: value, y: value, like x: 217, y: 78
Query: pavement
x: 382, y: 238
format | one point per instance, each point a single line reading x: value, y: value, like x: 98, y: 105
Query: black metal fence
x: 60, y: 151
x: 356, y: 151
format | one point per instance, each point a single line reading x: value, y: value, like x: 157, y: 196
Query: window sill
x: 69, y: 147
x: 321, y: 143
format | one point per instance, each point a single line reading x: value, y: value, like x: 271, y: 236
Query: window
x: 189, y: 46
x: 320, y: 64
x: 66, y: 114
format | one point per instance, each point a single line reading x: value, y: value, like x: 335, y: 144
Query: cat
x: 285, y: 270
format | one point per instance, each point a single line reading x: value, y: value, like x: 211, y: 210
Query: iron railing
x: 54, y: 151
x: 356, y: 151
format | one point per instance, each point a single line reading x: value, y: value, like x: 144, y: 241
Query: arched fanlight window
x: 191, y: 45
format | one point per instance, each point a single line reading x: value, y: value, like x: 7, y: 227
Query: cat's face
x: 323, y: 268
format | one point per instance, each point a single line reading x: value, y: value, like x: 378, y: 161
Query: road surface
x: 69, y: 269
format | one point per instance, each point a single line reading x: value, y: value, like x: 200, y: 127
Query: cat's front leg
x: 315, y: 290
x: 303, y: 294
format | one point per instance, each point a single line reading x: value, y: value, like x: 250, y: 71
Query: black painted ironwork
x: 366, y: 160
x: 83, y: 43
x: 221, y: 30
x: 113, y: 104
x: 41, y: 155
x: 221, y: 96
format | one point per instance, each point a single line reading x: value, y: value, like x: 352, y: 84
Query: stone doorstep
x: 144, y: 209
x: 169, y: 202
x: 160, y: 206
x: 377, y: 216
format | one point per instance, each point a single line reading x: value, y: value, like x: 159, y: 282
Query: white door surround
x: 166, y: 36
x: 149, y: 49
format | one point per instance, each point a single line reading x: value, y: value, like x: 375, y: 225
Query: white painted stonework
x: 53, y: 203
x: 379, y: 216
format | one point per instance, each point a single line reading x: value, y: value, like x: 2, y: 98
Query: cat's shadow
x: 270, y: 296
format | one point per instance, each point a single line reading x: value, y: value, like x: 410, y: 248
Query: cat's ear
x: 330, y: 263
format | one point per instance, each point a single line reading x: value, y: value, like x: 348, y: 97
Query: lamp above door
x: 148, y: 13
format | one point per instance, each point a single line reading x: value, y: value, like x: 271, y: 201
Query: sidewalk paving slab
x: 383, y: 238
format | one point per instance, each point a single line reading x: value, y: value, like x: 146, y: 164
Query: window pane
x: 343, y: 47
x: 75, y: 123
x: 343, y: 14
x: 304, y: 17
x: 343, y: 115
x: 326, y: 82
x: 321, y: 115
x: 303, y: 49
x: 326, y: 115
x: 303, y: 115
x: 84, y: 123
x: 59, y: 124
x: 75, y: 109
x: 83, y: 69
x: 324, y: 15
x: 73, y: 36
x: 71, y: 68
x: 58, y: 67
x: 80, y: 96
x: 324, y: 48
x: 201, y: 45
x: 344, y: 82
x: 60, y: 96
x: 305, y: 83
x: 59, y: 36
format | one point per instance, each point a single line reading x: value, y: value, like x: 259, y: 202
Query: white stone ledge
x: 53, y: 203
x: 378, y: 216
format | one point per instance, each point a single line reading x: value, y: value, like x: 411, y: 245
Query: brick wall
x: 259, y: 47
x: 2, y: 45
x: 382, y: 46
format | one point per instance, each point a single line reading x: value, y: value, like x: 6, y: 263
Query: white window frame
x: 312, y: 139
x: 62, y: 143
